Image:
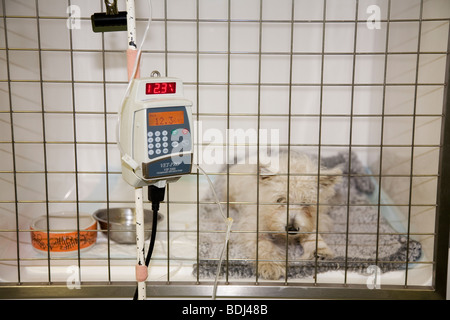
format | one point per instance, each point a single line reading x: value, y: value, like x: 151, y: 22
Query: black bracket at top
x: 111, y: 20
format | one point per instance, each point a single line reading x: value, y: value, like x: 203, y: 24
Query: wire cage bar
x: 364, y: 78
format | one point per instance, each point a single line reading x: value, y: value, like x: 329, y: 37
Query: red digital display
x: 160, y: 88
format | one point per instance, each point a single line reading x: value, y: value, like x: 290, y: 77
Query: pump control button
x: 150, y: 152
x: 164, y: 133
x: 158, y: 151
x: 185, y: 131
x: 150, y: 134
x: 150, y: 145
x: 174, y: 132
x: 165, y: 150
x: 157, y: 133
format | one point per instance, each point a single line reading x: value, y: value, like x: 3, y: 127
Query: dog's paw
x: 319, y: 250
x: 271, y: 270
x: 323, y: 253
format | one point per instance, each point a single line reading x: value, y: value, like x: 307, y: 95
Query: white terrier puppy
x: 281, y: 218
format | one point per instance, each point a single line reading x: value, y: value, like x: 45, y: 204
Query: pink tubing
x: 141, y: 273
x: 131, y: 58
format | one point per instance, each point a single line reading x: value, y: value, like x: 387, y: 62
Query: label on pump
x: 168, y: 166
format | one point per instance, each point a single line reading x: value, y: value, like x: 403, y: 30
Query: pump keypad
x: 164, y: 142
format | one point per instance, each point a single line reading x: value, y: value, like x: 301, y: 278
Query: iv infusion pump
x: 155, y: 132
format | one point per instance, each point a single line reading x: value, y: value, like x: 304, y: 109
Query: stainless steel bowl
x: 122, y: 223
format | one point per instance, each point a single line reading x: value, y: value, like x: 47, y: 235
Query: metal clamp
x: 111, y: 7
x: 111, y: 20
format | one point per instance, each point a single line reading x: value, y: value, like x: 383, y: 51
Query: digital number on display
x: 165, y: 118
x: 160, y: 88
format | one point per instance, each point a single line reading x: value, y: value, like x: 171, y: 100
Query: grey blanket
x: 353, y: 239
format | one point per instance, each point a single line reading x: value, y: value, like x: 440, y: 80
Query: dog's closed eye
x: 281, y: 200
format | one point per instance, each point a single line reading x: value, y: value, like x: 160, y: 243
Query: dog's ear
x: 330, y: 177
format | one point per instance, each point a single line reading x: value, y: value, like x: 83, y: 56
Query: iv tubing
x: 213, y: 191
x: 136, y: 55
x: 229, y: 223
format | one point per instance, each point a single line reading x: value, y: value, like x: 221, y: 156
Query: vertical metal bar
x: 166, y: 71
x: 74, y: 123
x: 383, y: 107
x: 258, y: 137
x: 106, y: 150
x: 413, y: 134
x: 441, y: 240
x: 198, y: 141
x: 319, y: 151
x: 168, y: 230
x: 289, y: 139
x: 228, y: 123
x: 351, y: 140
x: 168, y: 185
x: 13, y: 147
x: 44, y: 140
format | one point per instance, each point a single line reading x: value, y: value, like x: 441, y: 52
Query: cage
x: 353, y: 83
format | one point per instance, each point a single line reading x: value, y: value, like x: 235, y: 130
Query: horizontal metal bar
x: 229, y: 202
x: 337, y: 145
x: 231, y: 84
x: 194, y: 260
x: 248, y: 114
x: 233, y: 52
x: 246, y: 231
x: 229, y: 290
x: 241, y: 174
x: 200, y: 20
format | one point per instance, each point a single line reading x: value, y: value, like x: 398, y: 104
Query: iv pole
x: 113, y: 20
x: 141, y: 269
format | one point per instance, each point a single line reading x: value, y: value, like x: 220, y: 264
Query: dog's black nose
x: 292, y: 229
